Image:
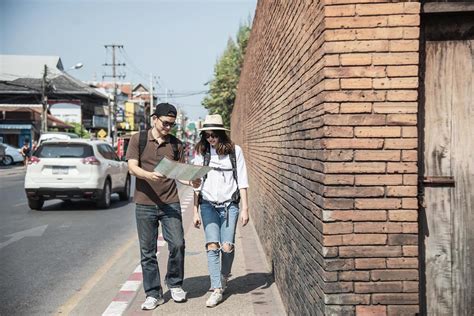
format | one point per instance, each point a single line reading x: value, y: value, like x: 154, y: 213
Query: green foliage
x: 79, y: 130
x: 223, y: 87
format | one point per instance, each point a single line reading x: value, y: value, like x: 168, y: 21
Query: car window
x: 113, y: 154
x: 61, y: 150
x: 102, y: 148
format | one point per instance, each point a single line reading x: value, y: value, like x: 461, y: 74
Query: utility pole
x: 44, y: 101
x: 113, y: 132
x: 151, y: 101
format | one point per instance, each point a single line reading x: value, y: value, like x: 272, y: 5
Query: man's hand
x: 196, y: 219
x: 244, y: 216
x: 195, y: 183
x: 154, y: 176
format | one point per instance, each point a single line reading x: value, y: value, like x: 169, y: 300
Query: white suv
x: 75, y: 168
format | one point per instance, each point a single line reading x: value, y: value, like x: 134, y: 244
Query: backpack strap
x: 143, y: 137
x: 233, y: 161
x: 174, y: 144
x: 142, y: 141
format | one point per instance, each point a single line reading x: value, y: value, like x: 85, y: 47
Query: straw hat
x: 212, y: 123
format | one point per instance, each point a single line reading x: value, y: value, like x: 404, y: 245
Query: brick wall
x: 326, y: 113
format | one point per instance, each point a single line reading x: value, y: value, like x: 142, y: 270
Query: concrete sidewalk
x: 250, y: 291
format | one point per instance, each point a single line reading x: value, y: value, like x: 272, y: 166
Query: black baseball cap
x: 165, y: 109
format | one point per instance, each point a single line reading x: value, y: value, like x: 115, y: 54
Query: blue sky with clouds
x: 178, y: 41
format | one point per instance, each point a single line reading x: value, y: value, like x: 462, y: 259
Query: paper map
x: 181, y: 171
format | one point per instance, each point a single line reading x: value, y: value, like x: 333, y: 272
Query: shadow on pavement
x: 81, y: 205
x: 199, y: 286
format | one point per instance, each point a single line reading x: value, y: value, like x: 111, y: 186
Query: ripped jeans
x: 219, y: 227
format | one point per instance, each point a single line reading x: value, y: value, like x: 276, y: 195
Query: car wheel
x: 7, y: 160
x: 35, y: 204
x: 104, y: 199
x: 125, y: 194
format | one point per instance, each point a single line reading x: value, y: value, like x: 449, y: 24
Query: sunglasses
x: 209, y: 135
x: 167, y: 124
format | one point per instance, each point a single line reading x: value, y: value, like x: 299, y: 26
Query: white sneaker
x: 178, y: 294
x: 152, y: 303
x: 215, y: 298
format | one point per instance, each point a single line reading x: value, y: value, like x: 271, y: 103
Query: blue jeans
x: 219, y: 226
x: 148, y: 220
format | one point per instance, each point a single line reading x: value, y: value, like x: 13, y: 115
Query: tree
x: 223, y: 87
x: 79, y: 130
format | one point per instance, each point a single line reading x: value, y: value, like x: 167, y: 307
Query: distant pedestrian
x: 34, y: 146
x: 25, y: 152
x: 157, y: 201
x: 218, y: 198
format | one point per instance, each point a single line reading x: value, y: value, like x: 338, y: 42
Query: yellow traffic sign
x: 101, y: 133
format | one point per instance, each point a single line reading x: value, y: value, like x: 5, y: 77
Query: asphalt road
x: 46, y: 256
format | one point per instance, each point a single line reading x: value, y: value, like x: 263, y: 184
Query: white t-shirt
x: 220, y: 185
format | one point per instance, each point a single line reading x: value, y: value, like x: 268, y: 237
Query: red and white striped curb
x: 129, y: 289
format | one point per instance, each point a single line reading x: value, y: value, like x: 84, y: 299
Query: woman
x: 25, y: 152
x: 218, y: 198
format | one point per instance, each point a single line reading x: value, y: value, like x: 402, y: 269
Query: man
x: 156, y: 199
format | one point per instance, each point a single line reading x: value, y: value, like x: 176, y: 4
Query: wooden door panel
x: 449, y: 147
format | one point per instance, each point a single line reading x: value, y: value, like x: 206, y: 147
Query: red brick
x: 380, y: 9
x: 371, y: 263
x: 410, y: 155
x: 409, y: 131
x: 411, y: 286
x: 402, y: 71
x: 405, y: 263
x: 401, y: 191
x: 337, y: 228
x: 355, y: 167
x: 377, y: 227
x: 335, y: 179
x: 354, y: 276
x: 410, y: 203
x: 395, y: 59
x: 410, y: 251
x: 385, y: 131
x: 394, y: 275
x: 397, y: 107
x: 377, y: 203
x: 403, y: 167
x: 361, y: 83
x: 378, y: 287
x: 369, y: 251
x: 402, y: 95
x: 371, y: 310
x: 405, y: 310
x: 339, y: 10
x: 410, y: 228
x: 401, y: 119
x: 410, y: 179
x: 399, y: 298
x: 356, y: 107
x: 353, y: 191
x: 404, y: 45
x: 355, y: 119
x: 364, y: 239
x: 404, y: 20
x: 355, y: 59
x: 347, y: 299
x: 378, y: 179
x: 403, y: 215
x: 377, y: 155
x: 355, y: 216
x: 402, y: 239
x: 395, y: 83
x: 338, y: 131
x: 336, y: 143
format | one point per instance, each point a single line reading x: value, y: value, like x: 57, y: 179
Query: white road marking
x: 131, y: 286
x: 33, y: 232
x: 115, y: 308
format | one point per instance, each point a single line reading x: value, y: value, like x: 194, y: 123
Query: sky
x: 177, y: 41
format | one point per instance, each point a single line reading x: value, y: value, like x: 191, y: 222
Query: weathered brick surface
x: 326, y: 114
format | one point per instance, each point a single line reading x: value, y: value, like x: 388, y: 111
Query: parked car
x: 56, y: 135
x: 75, y: 169
x: 10, y: 155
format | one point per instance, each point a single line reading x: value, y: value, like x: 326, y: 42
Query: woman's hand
x: 244, y: 215
x: 195, y: 183
x: 196, y: 219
